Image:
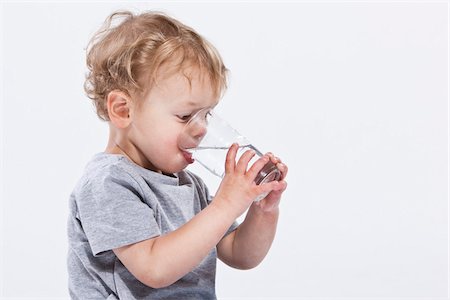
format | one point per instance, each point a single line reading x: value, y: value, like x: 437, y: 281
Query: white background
x: 353, y: 96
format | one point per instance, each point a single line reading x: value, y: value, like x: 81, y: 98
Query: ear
x: 119, y: 107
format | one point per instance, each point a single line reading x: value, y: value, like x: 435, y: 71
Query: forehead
x: 187, y: 85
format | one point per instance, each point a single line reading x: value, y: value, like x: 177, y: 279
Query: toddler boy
x: 140, y: 225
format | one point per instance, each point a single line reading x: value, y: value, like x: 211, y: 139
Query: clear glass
x: 207, y: 137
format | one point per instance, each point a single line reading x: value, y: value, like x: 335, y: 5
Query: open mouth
x: 188, y: 157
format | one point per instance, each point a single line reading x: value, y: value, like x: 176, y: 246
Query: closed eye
x: 184, y: 118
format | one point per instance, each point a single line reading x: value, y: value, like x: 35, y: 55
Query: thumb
x: 268, y: 187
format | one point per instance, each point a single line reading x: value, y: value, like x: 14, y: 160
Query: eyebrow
x: 192, y: 104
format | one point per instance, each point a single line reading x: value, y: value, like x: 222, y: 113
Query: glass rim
x: 195, y: 115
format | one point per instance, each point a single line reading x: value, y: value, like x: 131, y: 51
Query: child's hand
x: 272, y: 200
x: 238, y: 188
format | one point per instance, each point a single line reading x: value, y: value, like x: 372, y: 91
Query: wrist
x: 263, y: 211
x: 224, y: 208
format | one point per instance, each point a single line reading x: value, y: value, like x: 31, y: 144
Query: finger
x: 241, y: 166
x: 270, y: 155
x: 230, y: 161
x: 282, y: 185
x: 278, y: 187
x: 283, y: 169
x: 273, y: 158
x: 268, y: 187
x: 257, y: 167
x: 277, y: 161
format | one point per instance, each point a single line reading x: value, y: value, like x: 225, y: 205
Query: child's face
x: 158, y: 121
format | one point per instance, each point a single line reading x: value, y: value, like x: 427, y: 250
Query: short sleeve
x: 112, y: 212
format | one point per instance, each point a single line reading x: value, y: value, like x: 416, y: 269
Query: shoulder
x: 109, y: 187
x: 103, y: 164
x: 105, y: 170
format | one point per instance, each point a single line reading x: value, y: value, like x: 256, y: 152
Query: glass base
x: 268, y: 173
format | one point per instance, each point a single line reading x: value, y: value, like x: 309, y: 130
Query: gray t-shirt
x: 117, y: 203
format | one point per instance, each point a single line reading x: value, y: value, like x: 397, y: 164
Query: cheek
x: 168, y: 156
x: 168, y: 138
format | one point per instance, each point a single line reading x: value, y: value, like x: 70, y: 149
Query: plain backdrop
x: 353, y: 96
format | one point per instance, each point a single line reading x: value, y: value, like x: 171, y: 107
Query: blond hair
x: 127, y: 51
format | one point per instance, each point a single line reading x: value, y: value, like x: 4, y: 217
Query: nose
x: 192, y: 134
x: 197, y: 126
x: 198, y: 132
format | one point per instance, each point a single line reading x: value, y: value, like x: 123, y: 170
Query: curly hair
x: 127, y: 51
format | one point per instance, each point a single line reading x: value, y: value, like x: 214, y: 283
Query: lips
x: 188, y: 157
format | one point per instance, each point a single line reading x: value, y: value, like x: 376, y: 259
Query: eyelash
x: 184, y: 118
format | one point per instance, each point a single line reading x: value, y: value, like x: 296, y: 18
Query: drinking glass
x: 207, y: 137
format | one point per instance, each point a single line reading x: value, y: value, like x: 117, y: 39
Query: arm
x: 161, y: 261
x: 247, y: 246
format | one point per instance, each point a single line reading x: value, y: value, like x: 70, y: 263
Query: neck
x: 119, y: 143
